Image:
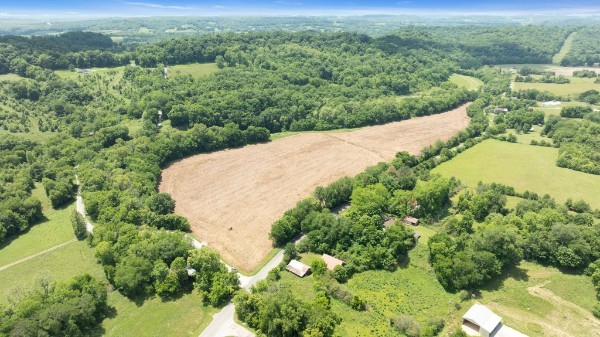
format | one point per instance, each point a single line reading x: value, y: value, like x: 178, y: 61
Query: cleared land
x: 536, y: 300
x: 197, y: 70
x: 573, y: 89
x: 232, y: 197
x: 524, y: 167
x: 558, y: 70
x: 467, y: 82
x: 565, y: 49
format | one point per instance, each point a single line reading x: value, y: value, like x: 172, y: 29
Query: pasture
x: 524, y: 167
x: 232, y: 197
x: 467, y: 82
x: 573, y: 89
x: 73, y: 75
x: 536, y: 300
x: 10, y: 77
x: 197, y: 70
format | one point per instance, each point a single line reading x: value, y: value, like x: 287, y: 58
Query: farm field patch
x: 524, y: 167
x: 467, y: 82
x: 232, y: 197
x: 573, y: 89
x: 197, y: 70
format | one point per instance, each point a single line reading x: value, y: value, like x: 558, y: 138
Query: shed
x: 388, y: 222
x: 500, y: 110
x: 551, y: 103
x: 84, y: 71
x: 298, y: 268
x: 409, y: 220
x: 481, y: 319
x: 331, y: 261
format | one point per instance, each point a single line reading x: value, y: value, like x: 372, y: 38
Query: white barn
x: 481, y: 321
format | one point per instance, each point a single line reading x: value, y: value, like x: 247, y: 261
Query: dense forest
x: 585, y: 50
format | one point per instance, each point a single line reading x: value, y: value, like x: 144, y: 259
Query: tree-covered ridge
x: 585, y: 49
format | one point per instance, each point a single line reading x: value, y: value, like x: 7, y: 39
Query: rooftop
x: 331, y: 261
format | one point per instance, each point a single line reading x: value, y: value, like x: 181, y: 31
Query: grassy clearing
x: 573, y: 89
x: 564, y: 49
x: 467, y: 82
x: 197, y: 70
x: 184, y: 317
x: 524, y: 167
x: 10, y: 77
x: 560, y: 307
x: 55, y: 230
x: 60, y: 264
x: 67, y: 74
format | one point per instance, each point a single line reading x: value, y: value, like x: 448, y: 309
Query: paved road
x: 224, y: 325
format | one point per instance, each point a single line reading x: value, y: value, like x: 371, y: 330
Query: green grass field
x: 10, y: 77
x: 55, y: 230
x: 184, y: 317
x: 524, y: 167
x: 467, y: 82
x: 564, y: 49
x: 573, y: 89
x: 414, y: 290
x: 197, y: 70
x: 67, y: 74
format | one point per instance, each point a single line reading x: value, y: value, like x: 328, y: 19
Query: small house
x: 479, y: 320
x: 331, y: 261
x: 409, y: 220
x: 500, y: 110
x: 298, y: 268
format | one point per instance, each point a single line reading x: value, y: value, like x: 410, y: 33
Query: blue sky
x: 15, y: 8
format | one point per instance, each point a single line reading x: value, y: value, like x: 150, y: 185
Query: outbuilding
x: 409, y: 220
x: 331, y: 261
x: 500, y: 110
x: 298, y: 268
x: 479, y: 320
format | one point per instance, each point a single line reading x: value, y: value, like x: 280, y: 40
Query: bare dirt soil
x: 232, y: 197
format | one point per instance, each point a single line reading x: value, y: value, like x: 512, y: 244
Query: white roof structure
x: 298, y: 268
x: 551, y: 103
x: 483, y: 317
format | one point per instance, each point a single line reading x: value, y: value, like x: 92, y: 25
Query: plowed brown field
x: 232, y: 197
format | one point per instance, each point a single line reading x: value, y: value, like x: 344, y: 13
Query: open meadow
x: 197, y: 70
x: 536, y: 300
x: 467, y: 82
x: 525, y: 167
x: 232, y: 197
x: 573, y: 89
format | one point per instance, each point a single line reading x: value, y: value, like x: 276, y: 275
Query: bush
x: 407, y: 325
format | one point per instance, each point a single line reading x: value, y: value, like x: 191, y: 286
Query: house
x: 409, y: 220
x: 500, y: 110
x: 388, y: 222
x: 298, y: 268
x: 331, y: 261
x: 479, y: 320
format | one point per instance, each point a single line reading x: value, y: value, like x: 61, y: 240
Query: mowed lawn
x: 467, y: 82
x: 52, y: 231
x: 197, y: 70
x: 573, y: 89
x: 67, y: 74
x: 524, y: 167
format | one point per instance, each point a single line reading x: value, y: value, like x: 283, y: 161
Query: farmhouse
x: 331, y: 261
x: 481, y: 321
x: 298, y: 268
x: 409, y: 220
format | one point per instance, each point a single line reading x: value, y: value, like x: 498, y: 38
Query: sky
x: 102, y: 8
